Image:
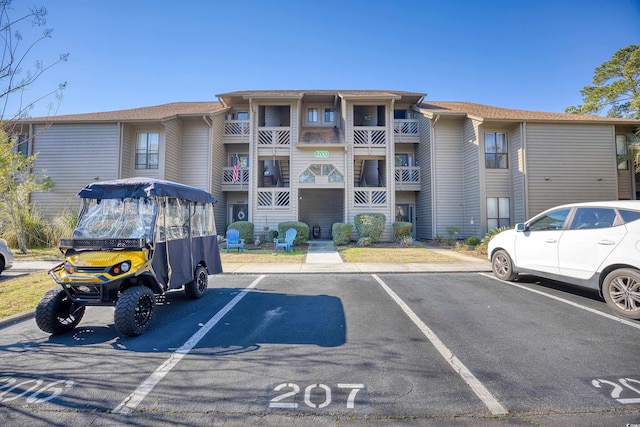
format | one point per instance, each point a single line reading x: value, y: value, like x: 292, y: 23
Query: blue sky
x: 524, y: 54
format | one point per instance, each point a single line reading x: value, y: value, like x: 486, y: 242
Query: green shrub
x: 341, y: 233
x: 490, y: 235
x: 364, y: 241
x: 370, y: 226
x: 473, y: 241
x: 245, y: 228
x: 401, y: 230
x: 301, y: 228
x: 62, y: 226
x: 271, y: 236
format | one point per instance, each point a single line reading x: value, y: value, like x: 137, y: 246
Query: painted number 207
x: 316, y: 396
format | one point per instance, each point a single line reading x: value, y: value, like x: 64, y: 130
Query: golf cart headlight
x: 125, y: 266
x: 68, y: 267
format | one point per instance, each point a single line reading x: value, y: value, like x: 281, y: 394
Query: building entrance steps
x: 322, y: 252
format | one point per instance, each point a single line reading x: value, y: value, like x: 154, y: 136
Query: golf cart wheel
x: 55, y: 313
x: 502, y: 266
x: 621, y: 291
x: 134, y: 310
x: 198, y: 287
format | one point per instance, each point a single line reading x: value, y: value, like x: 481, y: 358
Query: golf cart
x: 136, y: 239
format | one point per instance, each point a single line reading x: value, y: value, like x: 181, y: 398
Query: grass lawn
x: 22, y: 293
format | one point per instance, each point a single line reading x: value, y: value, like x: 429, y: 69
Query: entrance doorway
x: 320, y: 209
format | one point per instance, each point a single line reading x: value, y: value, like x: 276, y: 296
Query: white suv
x: 596, y: 245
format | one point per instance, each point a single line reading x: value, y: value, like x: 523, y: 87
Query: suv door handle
x: 606, y: 242
x: 550, y: 241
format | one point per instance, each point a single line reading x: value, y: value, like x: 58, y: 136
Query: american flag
x: 236, y: 169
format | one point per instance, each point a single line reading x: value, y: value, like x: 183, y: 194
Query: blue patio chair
x: 287, y: 242
x: 234, y: 240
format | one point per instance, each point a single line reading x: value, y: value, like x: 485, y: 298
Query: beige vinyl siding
x: 624, y: 185
x: 448, y: 175
x: 127, y: 162
x: 517, y: 174
x: 471, y: 184
x: 73, y: 156
x: 423, y: 214
x: 194, y: 157
x: 579, y: 161
x: 173, y: 150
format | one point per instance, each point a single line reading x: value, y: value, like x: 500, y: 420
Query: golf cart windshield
x: 126, y: 218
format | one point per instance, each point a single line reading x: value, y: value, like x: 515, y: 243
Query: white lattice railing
x: 405, y: 129
x: 274, y: 136
x: 369, y: 135
x: 243, y: 176
x: 236, y: 127
x: 408, y: 175
x: 274, y: 198
x: 370, y: 197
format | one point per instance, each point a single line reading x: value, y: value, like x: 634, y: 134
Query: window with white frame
x: 22, y: 145
x: 496, y: 150
x: 312, y: 115
x: 498, y: 212
x: 622, y: 151
x: 147, y: 150
x: 329, y: 115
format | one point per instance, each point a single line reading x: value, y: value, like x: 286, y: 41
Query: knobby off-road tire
x: 134, y: 310
x: 54, y: 313
x: 198, y: 286
x: 502, y: 266
x: 621, y: 291
x: 1, y: 264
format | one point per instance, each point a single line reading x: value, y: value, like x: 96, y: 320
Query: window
x: 22, y: 145
x: 243, y: 115
x: 309, y: 175
x: 312, y: 115
x: 586, y: 218
x: 629, y: 216
x: 495, y: 150
x: 554, y: 220
x: 329, y: 115
x: 498, y: 212
x: 621, y: 151
x: 147, y: 150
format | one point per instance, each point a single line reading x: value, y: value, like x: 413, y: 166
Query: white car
x: 6, y: 257
x: 596, y: 245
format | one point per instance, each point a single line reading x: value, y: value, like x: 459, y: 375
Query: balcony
x: 236, y: 131
x: 370, y: 197
x: 241, y: 183
x: 274, y: 141
x: 274, y: 198
x: 369, y: 140
x: 406, y: 130
x: 407, y: 178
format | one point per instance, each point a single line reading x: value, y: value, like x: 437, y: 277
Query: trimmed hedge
x: 341, y: 233
x: 245, y: 228
x: 401, y: 230
x: 302, y: 229
x: 370, y: 227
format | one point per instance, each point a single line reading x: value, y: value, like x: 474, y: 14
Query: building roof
x: 244, y: 95
x: 488, y: 112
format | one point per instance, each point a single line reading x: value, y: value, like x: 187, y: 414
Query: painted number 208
x: 289, y: 391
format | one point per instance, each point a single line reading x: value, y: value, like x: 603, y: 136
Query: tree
x: 17, y: 178
x: 616, y: 87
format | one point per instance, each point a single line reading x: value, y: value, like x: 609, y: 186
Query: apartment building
x: 324, y: 156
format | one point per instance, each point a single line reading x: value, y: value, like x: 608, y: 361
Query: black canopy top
x: 144, y: 187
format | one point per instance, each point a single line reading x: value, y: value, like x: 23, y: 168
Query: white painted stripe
x: 478, y: 388
x: 566, y: 301
x: 134, y: 399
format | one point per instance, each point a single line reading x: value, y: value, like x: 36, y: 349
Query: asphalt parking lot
x: 340, y: 349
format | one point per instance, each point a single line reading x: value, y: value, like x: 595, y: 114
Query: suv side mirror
x: 521, y: 227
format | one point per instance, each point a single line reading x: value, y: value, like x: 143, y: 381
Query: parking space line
x: 135, y: 398
x: 478, y: 388
x: 566, y: 301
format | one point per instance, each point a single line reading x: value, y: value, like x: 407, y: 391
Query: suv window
x: 629, y: 216
x: 554, y: 220
x: 588, y: 218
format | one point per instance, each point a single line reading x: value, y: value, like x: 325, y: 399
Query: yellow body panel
x: 95, y: 260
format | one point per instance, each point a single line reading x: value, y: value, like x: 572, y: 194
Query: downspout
x: 391, y: 164
x: 525, y: 181
x: 209, y: 154
x: 434, y: 211
x: 120, y: 149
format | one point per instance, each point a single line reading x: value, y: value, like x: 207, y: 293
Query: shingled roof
x: 487, y: 112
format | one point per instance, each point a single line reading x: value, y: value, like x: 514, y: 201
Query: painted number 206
x: 316, y: 396
x: 34, y: 390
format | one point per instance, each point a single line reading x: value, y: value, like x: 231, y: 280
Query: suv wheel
x: 621, y: 290
x: 134, y: 310
x: 502, y: 265
x: 55, y: 314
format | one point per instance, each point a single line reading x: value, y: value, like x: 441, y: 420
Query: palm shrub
x: 62, y: 226
x: 370, y: 227
x: 341, y: 233
x: 302, y: 231
x: 245, y: 228
x: 490, y: 234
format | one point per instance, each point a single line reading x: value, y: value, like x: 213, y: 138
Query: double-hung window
x: 312, y: 115
x: 498, y: 212
x: 496, y: 150
x: 147, y: 149
x: 622, y: 152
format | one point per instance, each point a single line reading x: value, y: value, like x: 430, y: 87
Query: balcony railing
x: 279, y: 136
x: 237, y: 130
x: 407, y: 175
x: 274, y: 198
x: 243, y: 177
x: 406, y: 130
x: 369, y: 136
x: 370, y: 197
